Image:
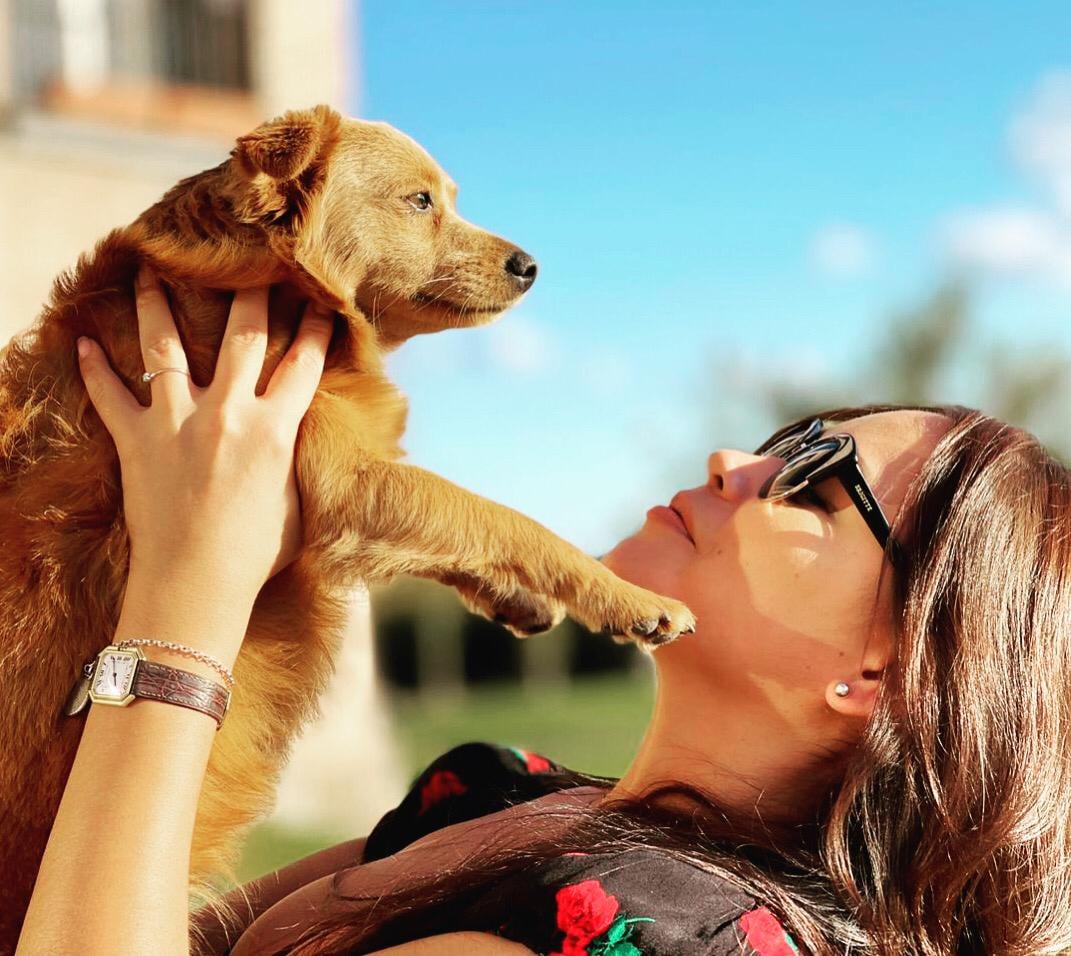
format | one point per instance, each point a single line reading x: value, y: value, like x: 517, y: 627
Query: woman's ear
x: 859, y: 700
x: 862, y: 686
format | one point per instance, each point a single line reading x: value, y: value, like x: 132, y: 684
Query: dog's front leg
x: 522, y: 612
x: 398, y: 519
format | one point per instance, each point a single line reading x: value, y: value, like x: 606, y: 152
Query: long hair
x: 947, y: 832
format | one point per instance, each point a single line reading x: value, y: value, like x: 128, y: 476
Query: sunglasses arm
x: 869, y: 508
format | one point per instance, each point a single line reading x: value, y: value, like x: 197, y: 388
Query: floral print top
x: 633, y: 902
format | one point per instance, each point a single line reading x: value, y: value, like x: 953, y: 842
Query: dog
x: 358, y: 217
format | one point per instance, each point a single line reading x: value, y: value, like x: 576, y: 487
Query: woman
x: 864, y: 743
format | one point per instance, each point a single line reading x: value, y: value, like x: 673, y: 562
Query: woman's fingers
x: 161, y: 346
x: 114, y: 402
x: 240, y: 362
x: 297, y: 376
x: 245, y: 342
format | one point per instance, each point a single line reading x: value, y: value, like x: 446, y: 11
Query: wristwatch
x: 118, y: 675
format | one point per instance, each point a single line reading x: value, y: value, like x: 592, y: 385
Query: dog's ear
x: 283, y: 150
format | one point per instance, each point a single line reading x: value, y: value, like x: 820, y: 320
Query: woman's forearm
x: 115, y: 872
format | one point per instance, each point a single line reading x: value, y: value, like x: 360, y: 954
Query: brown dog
x: 359, y: 217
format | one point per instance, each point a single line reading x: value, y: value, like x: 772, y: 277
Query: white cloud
x: 1041, y: 137
x: 841, y: 249
x: 1032, y: 242
x: 1010, y: 240
x: 518, y: 344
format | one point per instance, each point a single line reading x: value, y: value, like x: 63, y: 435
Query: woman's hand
x: 209, y: 489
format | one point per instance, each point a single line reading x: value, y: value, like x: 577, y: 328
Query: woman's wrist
x: 189, y: 580
x: 185, y: 609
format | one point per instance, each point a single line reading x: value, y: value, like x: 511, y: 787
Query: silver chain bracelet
x: 183, y: 649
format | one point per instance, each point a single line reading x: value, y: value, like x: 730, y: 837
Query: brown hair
x: 948, y: 831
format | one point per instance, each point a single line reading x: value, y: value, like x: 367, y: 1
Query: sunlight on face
x: 784, y: 591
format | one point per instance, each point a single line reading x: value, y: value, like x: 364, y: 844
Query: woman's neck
x: 750, y: 759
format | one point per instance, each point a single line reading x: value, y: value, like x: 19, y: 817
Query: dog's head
x: 370, y: 217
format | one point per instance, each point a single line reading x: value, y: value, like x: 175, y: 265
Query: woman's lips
x: 669, y: 517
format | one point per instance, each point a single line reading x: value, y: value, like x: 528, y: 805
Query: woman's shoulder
x: 469, y: 781
x: 620, y: 901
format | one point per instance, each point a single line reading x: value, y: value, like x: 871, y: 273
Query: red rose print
x: 584, y: 911
x: 535, y: 763
x: 766, y: 935
x: 439, y: 786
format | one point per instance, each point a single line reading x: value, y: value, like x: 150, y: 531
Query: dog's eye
x: 420, y: 201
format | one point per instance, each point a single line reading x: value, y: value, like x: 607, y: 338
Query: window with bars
x: 204, y: 42
x: 179, y: 63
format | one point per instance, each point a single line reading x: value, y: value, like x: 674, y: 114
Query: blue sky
x: 705, y: 182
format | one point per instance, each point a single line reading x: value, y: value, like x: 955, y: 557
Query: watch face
x: 114, y: 676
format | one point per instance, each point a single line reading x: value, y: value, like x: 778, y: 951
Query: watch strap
x: 158, y: 681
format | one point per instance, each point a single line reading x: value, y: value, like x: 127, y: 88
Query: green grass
x: 271, y: 846
x: 593, y: 724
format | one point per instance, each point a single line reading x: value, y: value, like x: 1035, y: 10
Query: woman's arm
x: 220, y: 927
x: 115, y: 871
x: 211, y: 504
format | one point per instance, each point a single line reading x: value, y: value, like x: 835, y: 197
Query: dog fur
x: 319, y: 207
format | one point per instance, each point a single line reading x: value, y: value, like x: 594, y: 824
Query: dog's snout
x: 522, y: 269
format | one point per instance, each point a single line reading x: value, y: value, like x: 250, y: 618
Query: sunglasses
x: 811, y: 457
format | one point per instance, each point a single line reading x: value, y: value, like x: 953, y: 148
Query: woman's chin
x: 635, y: 561
x: 612, y: 560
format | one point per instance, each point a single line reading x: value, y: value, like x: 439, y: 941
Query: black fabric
x: 633, y: 902
x: 494, y: 778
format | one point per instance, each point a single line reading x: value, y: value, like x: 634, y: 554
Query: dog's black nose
x: 522, y: 269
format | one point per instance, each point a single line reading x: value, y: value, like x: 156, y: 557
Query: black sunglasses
x: 811, y: 457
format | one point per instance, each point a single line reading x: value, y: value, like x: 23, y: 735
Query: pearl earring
x: 842, y: 689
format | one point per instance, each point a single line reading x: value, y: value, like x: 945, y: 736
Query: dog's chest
x: 363, y: 411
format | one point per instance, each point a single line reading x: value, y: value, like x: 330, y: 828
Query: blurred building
x: 428, y: 645
x: 104, y: 104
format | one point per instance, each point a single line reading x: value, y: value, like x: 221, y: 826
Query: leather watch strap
x: 159, y: 682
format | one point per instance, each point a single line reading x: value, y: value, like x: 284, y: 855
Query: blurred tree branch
x: 933, y: 354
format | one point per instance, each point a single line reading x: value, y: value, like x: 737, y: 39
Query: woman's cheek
x: 769, y: 593
x: 775, y: 561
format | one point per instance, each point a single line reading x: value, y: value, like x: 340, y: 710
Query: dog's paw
x: 633, y: 614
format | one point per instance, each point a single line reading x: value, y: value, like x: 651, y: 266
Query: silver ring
x: 149, y: 376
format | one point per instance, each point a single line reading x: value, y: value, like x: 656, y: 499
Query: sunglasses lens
x: 787, y: 438
x: 799, y: 469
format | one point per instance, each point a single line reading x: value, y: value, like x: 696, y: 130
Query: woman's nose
x: 735, y: 475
